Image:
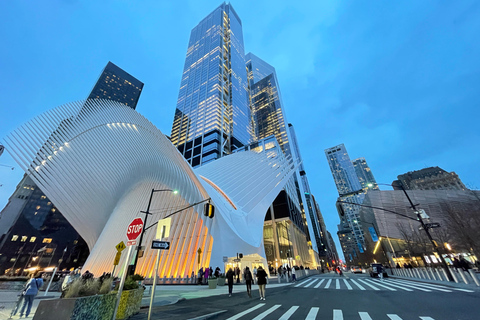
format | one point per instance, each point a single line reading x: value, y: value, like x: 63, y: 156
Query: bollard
x: 445, y: 274
x: 462, y: 274
x: 453, y: 271
x: 439, y: 274
x: 474, y: 277
x: 426, y: 274
x: 417, y: 273
x: 410, y: 273
x: 432, y: 274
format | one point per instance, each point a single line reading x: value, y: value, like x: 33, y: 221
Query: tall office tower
x: 432, y: 178
x: 364, y: 174
x: 33, y: 232
x: 117, y: 85
x: 213, y: 117
x: 349, y: 190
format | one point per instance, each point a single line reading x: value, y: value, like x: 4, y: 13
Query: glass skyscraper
x: 213, y: 116
x: 364, y: 174
x: 116, y: 84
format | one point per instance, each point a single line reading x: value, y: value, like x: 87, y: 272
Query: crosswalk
x: 374, y: 284
x: 262, y: 311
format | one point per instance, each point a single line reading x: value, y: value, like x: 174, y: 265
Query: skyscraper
x: 213, y: 117
x: 364, y: 174
x: 116, y: 84
x: 432, y: 178
x: 30, y: 224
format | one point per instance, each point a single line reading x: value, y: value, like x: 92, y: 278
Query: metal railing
x: 428, y: 273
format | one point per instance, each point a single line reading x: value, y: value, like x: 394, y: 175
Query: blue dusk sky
x: 397, y: 82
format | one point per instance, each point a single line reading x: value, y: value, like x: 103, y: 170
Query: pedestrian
x: 262, y: 282
x: 237, y: 274
x: 229, y: 277
x: 200, y: 275
x: 289, y: 272
x: 207, y: 272
x: 294, y: 277
x: 217, y: 272
x: 31, y: 290
x: 247, y: 275
x: 66, y: 283
x: 255, y: 274
x: 280, y: 272
x: 380, y: 272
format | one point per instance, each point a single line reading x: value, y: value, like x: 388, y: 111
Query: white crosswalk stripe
x: 383, y: 285
x: 337, y: 314
x: 358, y: 285
x: 434, y: 287
x: 328, y: 283
x: 266, y: 313
x: 337, y: 284
x: 388, y: 283
x: 349, y: 287
x: 289, y: 313
x: 368, y: 284
x: 318, y: 285
x: 310, y: 283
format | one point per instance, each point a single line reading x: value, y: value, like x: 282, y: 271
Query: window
x: 32, y: 239
x: 47, y: 240
x: 24, y: 238
x: 14, y: 237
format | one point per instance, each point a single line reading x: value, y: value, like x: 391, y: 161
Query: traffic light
x: 209, y: 210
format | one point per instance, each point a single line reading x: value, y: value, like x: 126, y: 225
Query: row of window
x: 32, y: 239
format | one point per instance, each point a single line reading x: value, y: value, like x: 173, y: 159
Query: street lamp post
x: 424, y: 227
x: 132, y: 271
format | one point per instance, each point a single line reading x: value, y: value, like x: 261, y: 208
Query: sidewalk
x: 8, y: 299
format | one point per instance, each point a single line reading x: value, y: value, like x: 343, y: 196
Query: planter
x: 212, y: 283
x: 220, y: 281
x: 98, y: 307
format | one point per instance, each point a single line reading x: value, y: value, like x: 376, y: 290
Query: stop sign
x: 134, y: 229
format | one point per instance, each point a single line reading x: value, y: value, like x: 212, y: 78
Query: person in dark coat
x: 262, y: 282
x: 230, y: 274
x: 247, y: 275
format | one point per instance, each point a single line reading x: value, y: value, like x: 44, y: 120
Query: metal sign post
x: 122, y: 282
x: 163, y: 231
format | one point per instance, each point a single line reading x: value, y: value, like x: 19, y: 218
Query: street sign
x: 237, y: 260
x: 163, y: 228
x: 160, y: 245
x: 121, y: 246
x: 432, y: 225
x: 131, y: 243
x: 225, y: 258
x: 117, y: 258
x: 134, y: 229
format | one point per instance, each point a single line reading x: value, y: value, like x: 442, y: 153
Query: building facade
x: 33, y: 232
x: 364, y: 174
x: 432, y: 178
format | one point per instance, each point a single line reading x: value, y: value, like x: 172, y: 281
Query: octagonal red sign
x: 134, y: 229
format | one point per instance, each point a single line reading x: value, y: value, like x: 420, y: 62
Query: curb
x: 208, y: 316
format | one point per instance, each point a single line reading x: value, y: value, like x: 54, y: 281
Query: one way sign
x: 160, y: 245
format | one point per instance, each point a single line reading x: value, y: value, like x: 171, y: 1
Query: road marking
x: 411, y: 286
x: 434, y: 287
x: 394, y: 285
x: 267, y: 312
x: 426, y: 318
x: 448, y: 288
x: 241, y: 314
x: 349, y: 287
x: 328, y: 283
x: 289, y: 313
x: 337, y: 314
x: 318, y: 284
x: 337, y: 284
x: 368, y: 284
x: 393, y: 317
x: 357, y: 284
x: 383, y: 285
x: 312, y: 314
x: 310, y: 283
x: 302, y: 283
x: 364, y: 316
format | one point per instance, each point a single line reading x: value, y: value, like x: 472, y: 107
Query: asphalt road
x: 350, y: 297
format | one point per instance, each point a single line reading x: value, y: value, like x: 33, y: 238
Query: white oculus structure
x: 98, y: 160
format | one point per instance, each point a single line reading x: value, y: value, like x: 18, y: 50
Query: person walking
x: 207, y: 272
x: 230, y: 275
x: 262, y: 282
x: 31, y: 290
x: 200, y: 275
x: 294, y: 278
x: 254, y: 274
x: 247, y: 275
x: 380, y: 272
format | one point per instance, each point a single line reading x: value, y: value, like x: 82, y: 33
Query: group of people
x: 260, y: 275
x: 287, y: 272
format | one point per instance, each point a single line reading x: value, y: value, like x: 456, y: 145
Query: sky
x: 397, y: 82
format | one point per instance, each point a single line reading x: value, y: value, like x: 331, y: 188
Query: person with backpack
x: 247, y: 275
x: 262, y: 282
x: 29, y: 293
